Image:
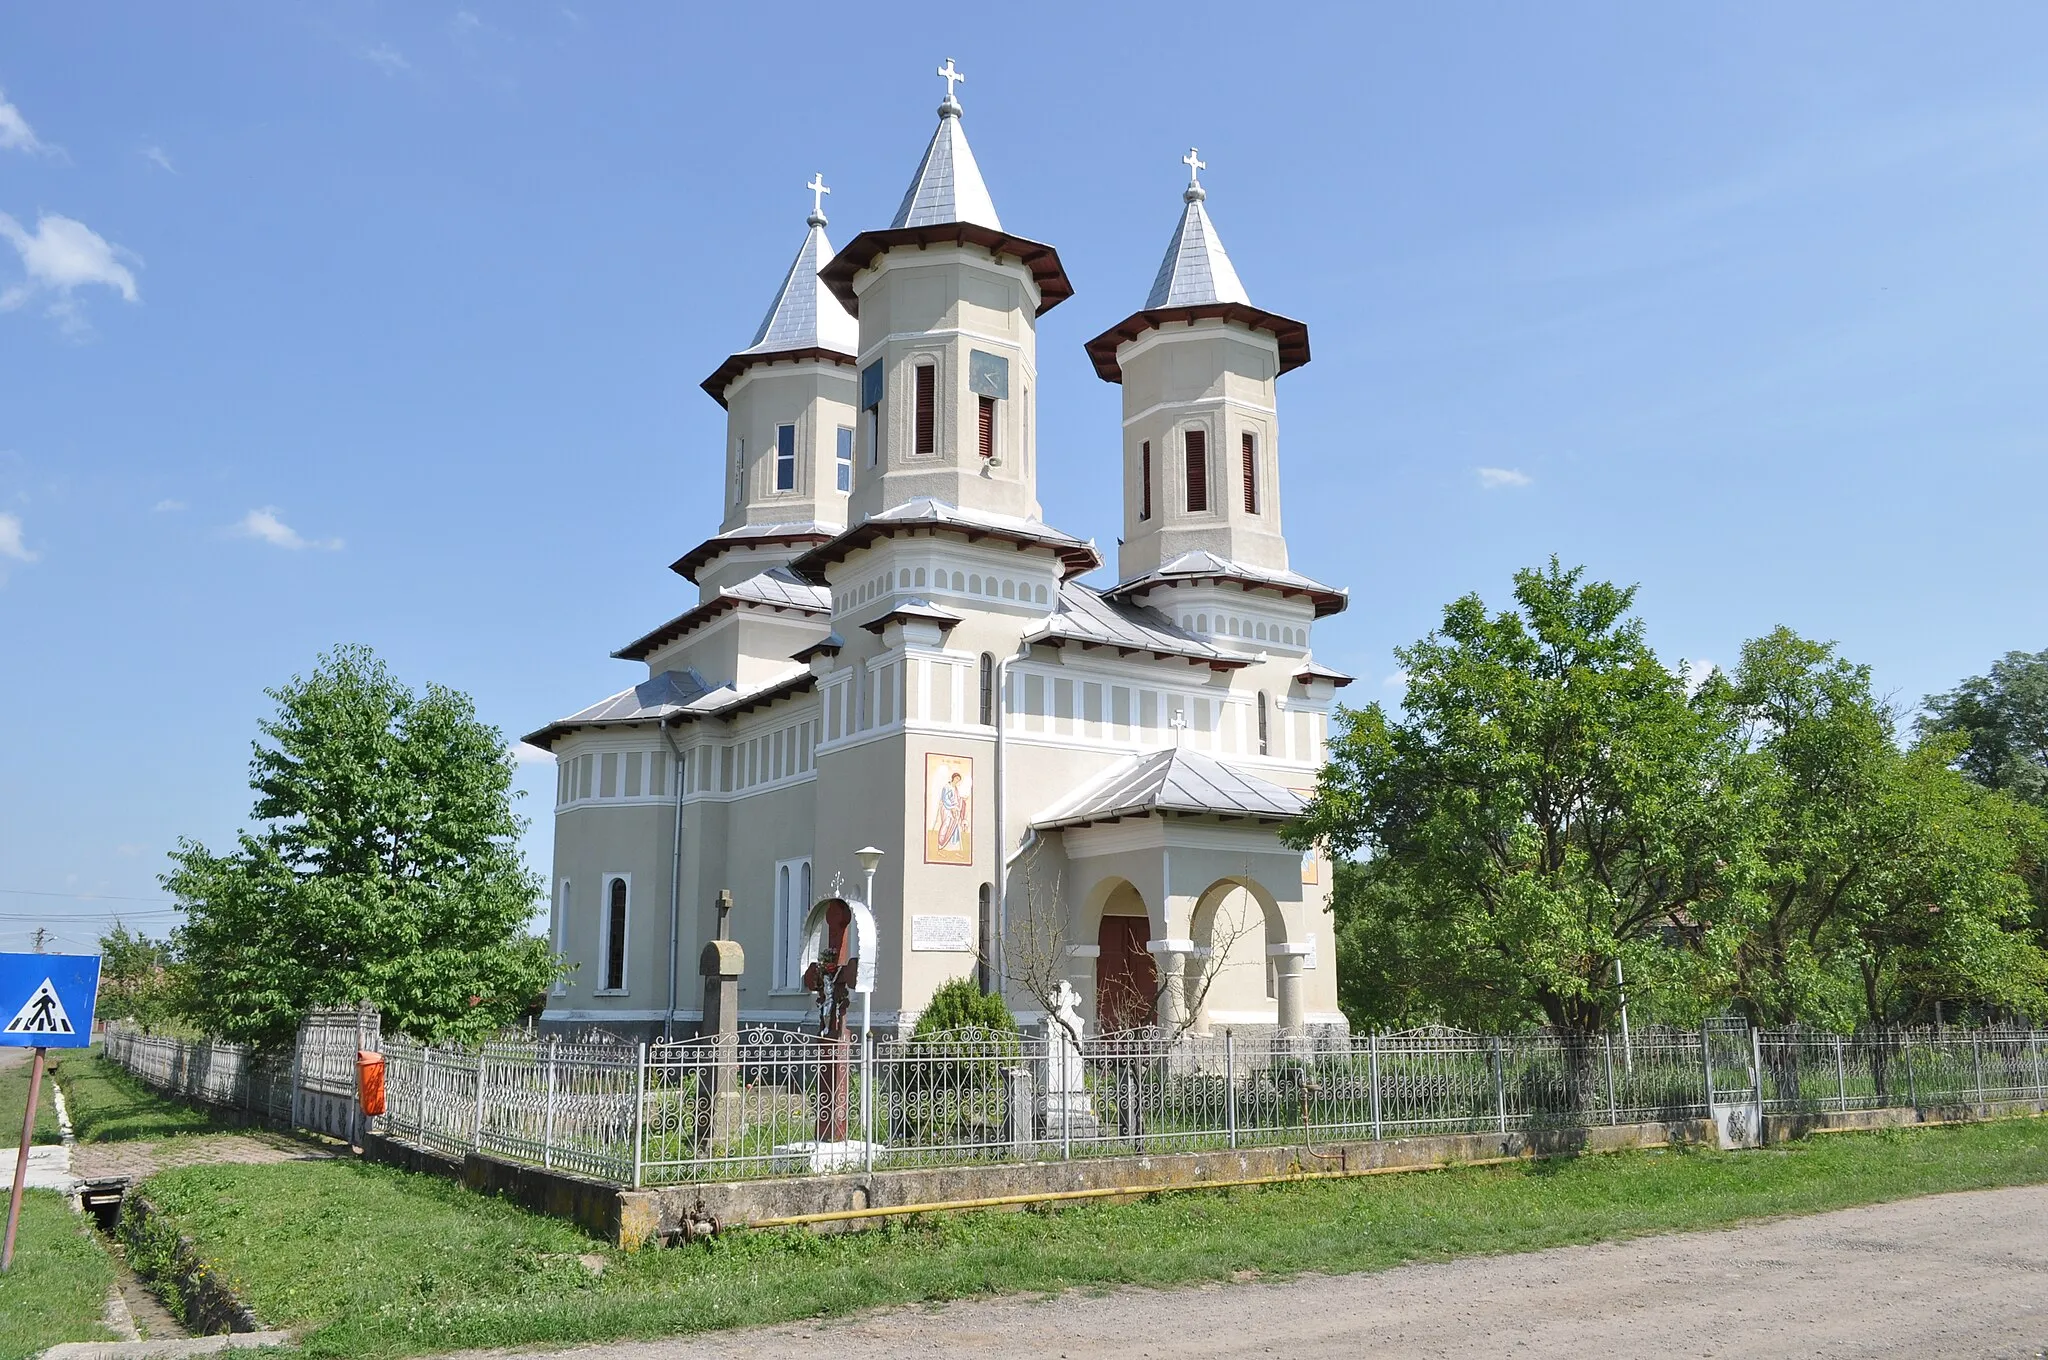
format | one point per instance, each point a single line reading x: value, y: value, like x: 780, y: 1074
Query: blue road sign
x: 46, y: 999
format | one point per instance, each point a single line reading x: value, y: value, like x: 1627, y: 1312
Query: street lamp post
x: 870, y: 858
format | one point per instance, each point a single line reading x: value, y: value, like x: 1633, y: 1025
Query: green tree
x: 1826, y: 761
x: 137, y: 978
x: 1549, y: 801
x: 384, y: 869
x: 2003, y: 718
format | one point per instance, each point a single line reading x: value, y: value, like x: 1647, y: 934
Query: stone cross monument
x: 720, y: 1095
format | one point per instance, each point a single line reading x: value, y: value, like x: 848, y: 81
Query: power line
x: 82, y: 897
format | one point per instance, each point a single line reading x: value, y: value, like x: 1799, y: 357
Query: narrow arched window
x: 1197, y: 442
x: 615, y: 936
x: 1251, y: 473
x: 926, y: 411
x: 1145, y: 480
x: 1265, y: 739
x: 988, y: 690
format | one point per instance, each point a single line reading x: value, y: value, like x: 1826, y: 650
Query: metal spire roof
x: 1196, y: 269
x: 947, y: 186
x: 805, y: 314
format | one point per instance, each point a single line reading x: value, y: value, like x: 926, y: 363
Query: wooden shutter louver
x: 1251, y: 474
x: 927, y: 410
x: 1145, y: 480
x: 1198, y: 470
x: 988, y: 428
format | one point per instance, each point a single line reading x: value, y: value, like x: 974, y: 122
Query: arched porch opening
x: 1126, y: 976
x: 1234, y: 977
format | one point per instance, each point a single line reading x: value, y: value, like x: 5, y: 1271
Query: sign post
x: 47, y: 1001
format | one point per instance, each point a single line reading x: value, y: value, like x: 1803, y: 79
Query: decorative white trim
x: 1169, y: 946
x: 1277, y: 951
x: 1084, y: 951
x: 1206, y: 403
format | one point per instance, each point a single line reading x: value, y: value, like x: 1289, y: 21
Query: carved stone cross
x: 724, y: 901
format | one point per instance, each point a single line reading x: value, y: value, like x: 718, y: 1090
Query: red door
x: 1126, y: 982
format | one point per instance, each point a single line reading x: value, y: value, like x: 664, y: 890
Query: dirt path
x: 1963, y: 1274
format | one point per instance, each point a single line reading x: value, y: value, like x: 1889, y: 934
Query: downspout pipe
x: 1004, y: 859
x: 675, y: 884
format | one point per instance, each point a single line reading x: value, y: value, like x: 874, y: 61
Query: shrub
x: 960, y: 1005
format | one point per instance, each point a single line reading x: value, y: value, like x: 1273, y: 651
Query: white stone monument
x: 1067, y: 1112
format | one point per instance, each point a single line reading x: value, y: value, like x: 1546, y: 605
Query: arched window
x: 1145, y: 480
x: 974, y: 585
x: 988, y: 690
x: 920, y: 576
x: 1265, y: 738
x: 1197, y: 447
x: 926, y: 433
x: 615, y: 935
x: 1038, y: 595
x: 959, y: 582
x: 1009, y: 590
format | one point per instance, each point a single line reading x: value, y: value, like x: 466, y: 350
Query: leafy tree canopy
x: 1549, y: 801
x: 384, y: 868
x: 2003, y: 718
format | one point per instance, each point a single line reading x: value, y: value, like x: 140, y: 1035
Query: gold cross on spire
x: 951, y: 76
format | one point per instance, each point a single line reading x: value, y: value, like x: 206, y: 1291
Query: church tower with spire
x: 948, y: 304
x: 789, y: 403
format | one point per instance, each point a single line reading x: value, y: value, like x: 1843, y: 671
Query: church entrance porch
x: 1126, y: 978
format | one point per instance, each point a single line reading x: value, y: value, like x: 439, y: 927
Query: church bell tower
x: 1199, y: 364
x: 948, y: 305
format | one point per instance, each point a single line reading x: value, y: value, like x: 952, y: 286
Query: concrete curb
x: 167, y: 1349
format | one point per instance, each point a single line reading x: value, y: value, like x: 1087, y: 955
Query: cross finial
x: 1196, y: 165
x: 951, y: 75
x: 1179, y: 724
x: 818, y: 192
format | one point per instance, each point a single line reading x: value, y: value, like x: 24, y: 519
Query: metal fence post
x: 1230, y: 1084
x: 1707, y: 1065
x: 1613, y: 1110
x: 476, y: 1132
x: 547, y: 1128
x: 867, y: 1100
x: 1756, y: 1066
x: 1500, y: 1085
x: 1841, y: 1076
x: 639, y: 1111
x: 2034, y: 1047
x: 1977, y: 1062
x: 1912, y: 1086
x: 1373, y: 1049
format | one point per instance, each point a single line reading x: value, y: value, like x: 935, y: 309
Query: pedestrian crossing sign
x: 46, y: 999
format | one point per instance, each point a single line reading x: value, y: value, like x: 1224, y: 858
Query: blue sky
x: 384, y: 323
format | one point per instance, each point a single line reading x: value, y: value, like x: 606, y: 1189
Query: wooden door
x: 1126, y: 981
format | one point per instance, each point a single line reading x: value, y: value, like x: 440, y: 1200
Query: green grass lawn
x: 371, y: 1261
x: 57, y: 1289
x: 14, y: 1074
x: 107, y: 1105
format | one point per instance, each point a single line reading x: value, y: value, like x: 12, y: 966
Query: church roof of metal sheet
x: 1315, y: 670
x: 1087, y: 617
x: 1196, y: 269
x: 947, y: 186
x: 1172, y: 781
x: 806, y: 319
x: 1197, y: 281
x: 1077, y: 555
x: 673, y: 694
x: 753, y: 535
x: 777, y: 588
x: 1203, y: 565
x: 914, y: 609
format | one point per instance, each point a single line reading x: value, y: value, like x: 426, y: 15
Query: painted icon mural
x: 948, y: 809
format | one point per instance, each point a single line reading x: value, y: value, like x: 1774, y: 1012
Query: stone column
x: 1170, y: 958
x: 719, y: 1090
x: 1287, y: 965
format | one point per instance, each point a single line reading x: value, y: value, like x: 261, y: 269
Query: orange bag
x: 370, y: 1081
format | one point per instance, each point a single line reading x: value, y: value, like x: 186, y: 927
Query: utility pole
x: 39, y: 940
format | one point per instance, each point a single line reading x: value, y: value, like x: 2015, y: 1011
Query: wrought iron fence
x: 778, y: 1102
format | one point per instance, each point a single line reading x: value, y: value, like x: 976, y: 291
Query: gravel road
x: 1963, y: 1274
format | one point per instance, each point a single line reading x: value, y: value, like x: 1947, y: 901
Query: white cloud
x: 1698, y: 670
x: 386, y: 58
x: 531, y: 755
x: 166, y: 507
x: 15, y: 133
x: 265, y: 525
x: 155, y: 155
x: 60, y: 255
x: 11, y: 544
x: 1493, y: 478
x: 1398, y: 680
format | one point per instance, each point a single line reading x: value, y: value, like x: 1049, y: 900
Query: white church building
x: 889, y: 648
